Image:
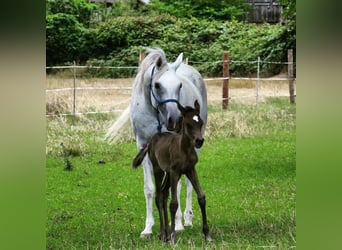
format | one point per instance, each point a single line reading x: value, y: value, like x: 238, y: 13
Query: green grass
x: 248, y: 177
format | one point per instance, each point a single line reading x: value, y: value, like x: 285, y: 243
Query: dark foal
x: 173, y: 155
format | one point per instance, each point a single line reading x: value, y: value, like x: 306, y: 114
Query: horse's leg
x: 192, y: 175
x: 178, y: 222
x: 148, y: 190
x: 188, y: 214
x: 174, y: 179
x: 188, y: 207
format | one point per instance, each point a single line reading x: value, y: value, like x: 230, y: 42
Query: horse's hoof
x: 188, y: 218
x: 188, y: 223
x: 145, y: 235
x: 179, y: 227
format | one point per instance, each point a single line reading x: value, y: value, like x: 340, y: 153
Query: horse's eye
x: 180, y: 86
x: 157, y: 85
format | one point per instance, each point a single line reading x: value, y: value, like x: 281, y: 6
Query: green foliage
x: 64, y: 39
x: 289, y: 16
x: 219, y: 10
x: 81, y: 9
x: 117, y: 40
x: 120, y: 39
x: 289, y: 11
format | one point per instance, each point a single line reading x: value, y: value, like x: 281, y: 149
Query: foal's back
x: 167, y: 151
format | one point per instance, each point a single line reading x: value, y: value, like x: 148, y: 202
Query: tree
x: 64, y: 38
x: 289, y: 16
x: 289, y: 10
x: 80, y: 9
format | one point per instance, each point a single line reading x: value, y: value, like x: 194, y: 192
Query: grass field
x: 247, y: 169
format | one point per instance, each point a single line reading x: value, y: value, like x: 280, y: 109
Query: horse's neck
x: 142, y: 91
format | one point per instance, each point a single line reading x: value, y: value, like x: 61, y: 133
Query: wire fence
x: 76, y: 95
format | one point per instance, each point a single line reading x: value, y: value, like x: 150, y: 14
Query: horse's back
x: 194, y: 76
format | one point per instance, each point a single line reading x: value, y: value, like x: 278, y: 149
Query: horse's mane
x: 151, y: 58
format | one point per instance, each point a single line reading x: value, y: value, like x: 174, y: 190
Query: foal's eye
x: 157, y: 85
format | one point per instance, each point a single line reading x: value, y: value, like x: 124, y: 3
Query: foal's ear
x: 197, y: 106
x: 181, y: 108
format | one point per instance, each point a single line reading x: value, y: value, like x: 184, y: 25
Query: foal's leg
x: 165, y: 191
x: 192, y: 175
x: 174, y: 179
x: 149, y: 191
x: 158, y: 176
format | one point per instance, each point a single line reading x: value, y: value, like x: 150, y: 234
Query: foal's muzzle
x: 199, y: 143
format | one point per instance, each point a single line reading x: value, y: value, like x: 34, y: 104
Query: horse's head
x: 165, y: 91
x: 192, y: 123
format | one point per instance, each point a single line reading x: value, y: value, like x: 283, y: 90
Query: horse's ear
x: 197, y: 106
x: 159, y: 62
x: 178, y: 62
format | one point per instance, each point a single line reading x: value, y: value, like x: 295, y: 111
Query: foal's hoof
x: 173, y: 240
x: 208, y: 239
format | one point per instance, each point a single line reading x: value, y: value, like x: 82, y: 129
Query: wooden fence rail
x: 225, y: 78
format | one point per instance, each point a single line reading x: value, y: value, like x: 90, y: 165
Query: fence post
x: 141, y: 57
x: 74, y: 92
x: 257, y: 83
x: 225, y: 86
x: 290, y: 75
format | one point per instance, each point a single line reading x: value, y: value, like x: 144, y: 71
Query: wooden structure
x: 108, y: 2
x: 264, y: 11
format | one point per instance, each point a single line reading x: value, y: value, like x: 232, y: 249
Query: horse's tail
x: 140, y: 157
x: 112, y: 132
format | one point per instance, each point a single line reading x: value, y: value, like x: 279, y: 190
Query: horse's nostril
x: 170, y: 121
x: 171, y: 124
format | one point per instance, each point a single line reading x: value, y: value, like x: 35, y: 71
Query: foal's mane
x: 188, y: 109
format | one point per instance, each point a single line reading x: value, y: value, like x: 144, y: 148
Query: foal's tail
x: 140, y: 157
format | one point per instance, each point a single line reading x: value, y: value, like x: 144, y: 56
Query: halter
x: 159, y: 102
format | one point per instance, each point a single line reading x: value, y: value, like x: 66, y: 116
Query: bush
x: 118, y: 40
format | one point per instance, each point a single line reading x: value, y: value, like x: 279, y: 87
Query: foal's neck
x: 185, y: 140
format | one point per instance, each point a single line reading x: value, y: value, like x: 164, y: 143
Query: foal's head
x: 192, y: 124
